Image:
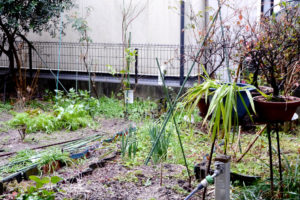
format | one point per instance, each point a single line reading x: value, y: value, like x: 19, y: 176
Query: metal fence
x: 103, y: 55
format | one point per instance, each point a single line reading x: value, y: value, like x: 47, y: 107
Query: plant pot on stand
x: 270, y: 111
x: 275, y: 112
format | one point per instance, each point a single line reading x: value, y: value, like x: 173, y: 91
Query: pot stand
x: 269, y: 131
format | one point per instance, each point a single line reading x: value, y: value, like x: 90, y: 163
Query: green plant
x: 52, y: 156
x: 114, y: 108
x: 37, y: 192
x: 130, y: 58
x: 70, y: 112
x: 4, y: 107
x: 192, y: 97
x: 130, y: 177
x: 110, y: 108
x: 129, y: 143
x: 72, y: 117
x: 261, y: 190
x: 161, y: 149
x: 19, y: 161
x: 81, y: 97
x: 223, y: 109
x: 33, y: 123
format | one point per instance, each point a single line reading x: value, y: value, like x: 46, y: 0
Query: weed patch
x: 71, y: 112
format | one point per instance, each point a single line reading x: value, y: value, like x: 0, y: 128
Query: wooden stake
x: 161, y: 171
x: 252, y: 143
x: 238, y: 140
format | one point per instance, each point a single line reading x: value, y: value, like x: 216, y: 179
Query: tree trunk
x: 11, y: 59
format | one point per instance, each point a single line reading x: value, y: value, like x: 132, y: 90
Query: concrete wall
x: 107, y: 89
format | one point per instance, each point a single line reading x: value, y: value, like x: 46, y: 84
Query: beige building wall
x: 159, y: 23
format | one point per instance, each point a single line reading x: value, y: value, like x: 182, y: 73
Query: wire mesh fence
x: 108, y: 57
x: 103, y: 57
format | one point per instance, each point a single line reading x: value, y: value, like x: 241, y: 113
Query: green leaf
x: 55, y: 179
x: 35, y: 178
x: 45, y: 180
x: 39, y: 185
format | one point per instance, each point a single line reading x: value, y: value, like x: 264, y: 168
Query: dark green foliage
x: 37, y: 192
x: 261, y: 190
x: 34, y: 15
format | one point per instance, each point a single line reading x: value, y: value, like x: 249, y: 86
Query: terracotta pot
x: 51, y: 167
x: 203, y: 107
x: 276, y: 111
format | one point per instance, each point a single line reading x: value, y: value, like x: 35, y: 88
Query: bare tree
x: 130, y: 12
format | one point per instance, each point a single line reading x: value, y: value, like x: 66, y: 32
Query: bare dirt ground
x: 113, y: 181
x: 116, y: 181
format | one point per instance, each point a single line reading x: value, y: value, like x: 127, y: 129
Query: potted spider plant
x: 227, y: 103
x: 275, y: 49
x: 200, y: 95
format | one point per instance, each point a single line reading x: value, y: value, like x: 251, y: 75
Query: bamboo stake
x: 174, y: 122
x: 252, y: 143
x: 170, y: 112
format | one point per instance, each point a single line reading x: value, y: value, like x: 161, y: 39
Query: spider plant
x: 223, y: 109
x: 199, y: 91
x: 225, y: 101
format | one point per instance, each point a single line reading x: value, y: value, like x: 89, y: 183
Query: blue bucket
x: 241, y: 110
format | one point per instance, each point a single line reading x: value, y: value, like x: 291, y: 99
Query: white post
x: 163, y: 71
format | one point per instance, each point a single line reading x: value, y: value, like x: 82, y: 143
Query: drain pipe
x: 182, y: 24
x: 221, y: 177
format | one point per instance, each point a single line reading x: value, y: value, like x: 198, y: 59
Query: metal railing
x: 102, y: 55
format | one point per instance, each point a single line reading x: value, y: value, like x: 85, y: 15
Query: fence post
x: 182, y: 7
x: 136, y: 65
x: 30, y: 62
